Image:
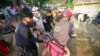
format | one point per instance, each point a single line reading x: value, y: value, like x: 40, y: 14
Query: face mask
x: 31, y: 24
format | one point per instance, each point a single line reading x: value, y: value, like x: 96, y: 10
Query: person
x: 5, y: 28
x: 37, y: 17
x: 98, y: 18
x: 18, y: 10
x: 26, y: 9
x: 58, y: 17
x: 34, y: 8
x: 7, y: 31
x: 47, y: 21
x: 82, y: 18
x: 63, y: 30
x: 39, y: 22
x: 13, y: 12
x: 54, y: 12
x: 6, y: 14
x: 25, y: 41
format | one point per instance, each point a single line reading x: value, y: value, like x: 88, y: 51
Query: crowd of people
x: 53, y: 29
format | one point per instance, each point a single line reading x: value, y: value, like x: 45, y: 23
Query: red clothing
x: 4, y: 49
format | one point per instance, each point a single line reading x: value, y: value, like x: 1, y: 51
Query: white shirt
x: 39, y: 22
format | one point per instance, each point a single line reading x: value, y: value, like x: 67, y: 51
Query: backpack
x: 54, y: 48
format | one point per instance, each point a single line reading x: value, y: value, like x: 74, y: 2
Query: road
x: 87, y: 42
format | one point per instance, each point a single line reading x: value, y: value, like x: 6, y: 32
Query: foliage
x: 1, y: 54
x: 38, y: 2
x: 69, y: 3
x: 5, y: 3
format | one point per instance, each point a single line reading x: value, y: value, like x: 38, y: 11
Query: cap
x: 27, y: 15
x: 67, y: 13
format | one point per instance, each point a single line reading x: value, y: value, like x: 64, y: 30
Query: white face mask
x: 39, y: 15
x: 35, y: 18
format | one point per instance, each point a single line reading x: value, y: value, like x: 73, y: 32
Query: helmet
x: 67, y: 13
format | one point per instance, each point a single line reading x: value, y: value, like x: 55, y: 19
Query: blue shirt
x: 23, y: 35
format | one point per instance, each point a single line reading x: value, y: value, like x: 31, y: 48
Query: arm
x: 72, y: 31
x: 28, y: 35
x: 35, y: 39
x: 7, y: 29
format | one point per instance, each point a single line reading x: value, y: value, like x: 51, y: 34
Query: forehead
x: 28, y: 18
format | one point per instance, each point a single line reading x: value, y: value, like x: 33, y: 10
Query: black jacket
x: 6, y: 29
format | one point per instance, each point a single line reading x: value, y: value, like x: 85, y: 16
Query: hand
x: 74, y: 35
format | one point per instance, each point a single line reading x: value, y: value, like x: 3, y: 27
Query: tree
x: 38, y: 2
x: 69, y: 3
x: 5, y: 2
x: 43, y: 2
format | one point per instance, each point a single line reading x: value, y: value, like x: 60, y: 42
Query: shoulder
x: 20, y: 25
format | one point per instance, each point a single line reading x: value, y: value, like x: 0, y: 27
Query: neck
x: 66, y: 19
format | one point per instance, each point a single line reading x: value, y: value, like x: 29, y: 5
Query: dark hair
x: 48, y: 11
x: 23, y: 15
x: 2, y: 16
